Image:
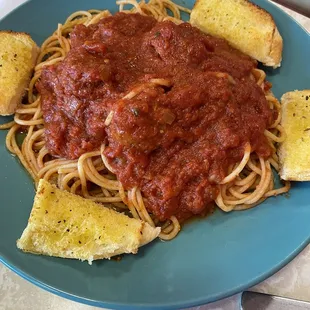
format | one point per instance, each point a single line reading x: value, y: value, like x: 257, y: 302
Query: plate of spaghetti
x: 143, y: 113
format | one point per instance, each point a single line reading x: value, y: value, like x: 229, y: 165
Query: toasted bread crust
x: 244, y: 25
x: 275, y: 50
x: 17, y: 33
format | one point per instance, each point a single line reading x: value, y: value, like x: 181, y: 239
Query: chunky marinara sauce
x: 174, y: 142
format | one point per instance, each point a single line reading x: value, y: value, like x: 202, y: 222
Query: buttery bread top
x: 66, y: 225
x: 18, y: 54
x: 294, y: 152
x: 244, y: 25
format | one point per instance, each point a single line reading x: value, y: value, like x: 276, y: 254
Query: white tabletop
x: 18, y: 294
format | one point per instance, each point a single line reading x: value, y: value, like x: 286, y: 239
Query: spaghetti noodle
x: 247, y: 184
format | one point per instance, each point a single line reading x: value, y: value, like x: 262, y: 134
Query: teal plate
x: 211, y: 258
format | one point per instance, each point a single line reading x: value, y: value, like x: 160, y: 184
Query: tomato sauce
x: 174, y: 142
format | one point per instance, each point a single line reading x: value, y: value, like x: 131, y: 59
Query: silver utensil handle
x: 299, y: 6
x: 259, y: 301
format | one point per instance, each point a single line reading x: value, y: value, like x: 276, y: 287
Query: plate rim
x: 168, y: 306
x: 171, y: 305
